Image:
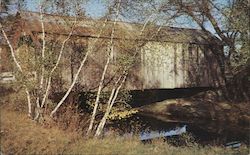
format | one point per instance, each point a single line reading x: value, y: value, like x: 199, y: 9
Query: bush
x: 15, y: 99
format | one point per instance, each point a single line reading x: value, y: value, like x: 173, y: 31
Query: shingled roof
x: 55, y: 24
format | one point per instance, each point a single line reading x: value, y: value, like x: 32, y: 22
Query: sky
x: 94, y: 8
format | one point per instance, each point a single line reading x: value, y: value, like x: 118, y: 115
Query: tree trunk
x: 111, y: 102
x: 98, y: 96
x: 71, y: 86
x: 19, y: 69
x: 29, y: 102
x: 78, y: 71
x: 104, y: 72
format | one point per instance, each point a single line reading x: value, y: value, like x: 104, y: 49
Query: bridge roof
x: 85, y: 27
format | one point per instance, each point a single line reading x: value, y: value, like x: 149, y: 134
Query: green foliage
x: 121, y: 114
x: 121, y: 108
x: 31, y: 63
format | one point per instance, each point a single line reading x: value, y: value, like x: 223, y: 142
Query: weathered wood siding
x: 178, y: 65
x: 160, y: 65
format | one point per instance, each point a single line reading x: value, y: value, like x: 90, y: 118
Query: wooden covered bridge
x: 168, y: 57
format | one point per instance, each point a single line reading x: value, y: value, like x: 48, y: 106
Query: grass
x: 20, y: 135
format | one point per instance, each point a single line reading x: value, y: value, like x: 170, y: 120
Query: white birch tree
x: 104, y: 70
x: 43, y: 81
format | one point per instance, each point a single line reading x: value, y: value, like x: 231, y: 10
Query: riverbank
x: 20, y: 135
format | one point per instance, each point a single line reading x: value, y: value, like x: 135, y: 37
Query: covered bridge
x: 168, y: 57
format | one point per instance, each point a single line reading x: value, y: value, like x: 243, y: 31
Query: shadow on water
x: 148, y: 96
x: 145, y: 97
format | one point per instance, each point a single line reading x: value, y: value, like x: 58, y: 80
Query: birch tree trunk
x: 98, y: 96
x: 43, y: 95
x: 112, y: 98
x: 29, y: 102
x: 19, y: 69
x: 43, y: 50
x: 71, y: 86
x: 40, y: 91
x: 56, y: 65
x: 115, y: 91
x: 104, y: 72
x: 78, y: 72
